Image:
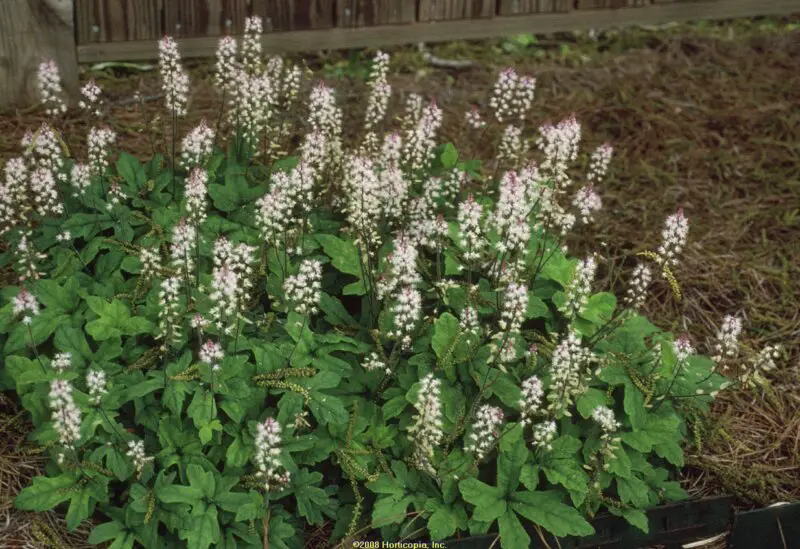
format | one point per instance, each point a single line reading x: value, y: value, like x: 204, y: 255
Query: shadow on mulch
x: 706, y: 124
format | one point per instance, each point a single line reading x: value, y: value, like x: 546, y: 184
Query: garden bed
x: 706, y: 123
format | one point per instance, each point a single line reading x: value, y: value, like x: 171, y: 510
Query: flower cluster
x: 196, y: 203
x: 637, y: 292
x: 426, y: 431
x: 81, y: 178
x: 472, y: 239
x: 420, y: 139
x: 604, y: 417
x: 211, y: 353
x: 474, y: 119
x: 588, y: 202
x: 183, y: 241
x: 325, y: 117
x: 373, y: 363
x: 469, y: 323
x: 543, y: 434
x: 559, y: 144
x: 44, y: 150
x: 763, y: 362
x: 50, y: 91
x: 485, y: 431
x: 28, y: 258
x: 66, y: 415
x: 13, y: 194
x: 511, y: 146
x: 568, y: 379
x: 137, y: 454
x: 226, y: 66
x: 61, y: 362
x: 305, y: 288
x: 515, y: 305
x: 231, y: 281
x: 90, y: 100
x: 198, y: 145
x: 251, y: 44
x: 100, y: 141
x: 267, y: 456
x: 683, y: 348
x: 598, y: 163
x: 531, y: 402
x: 380, y: 91
x: 402, y: 267
x: 726, y: 346
x: 674, y: 235
x: 169, y: 311
x: 174, y: 79
x: 579, y: 288
x: 27, y: 304
x: 97, y: 384
x: 512, y: 95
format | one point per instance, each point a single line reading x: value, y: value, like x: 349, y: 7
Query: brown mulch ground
x: 708, y: 124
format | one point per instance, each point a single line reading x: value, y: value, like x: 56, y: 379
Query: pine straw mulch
x: 704, y: 123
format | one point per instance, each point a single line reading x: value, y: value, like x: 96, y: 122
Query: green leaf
x: 203, y: 409
x: 449, y: 156
x: 129, y: 168
x: 45, y: 493
x: 673, y: 491
x: 444, y: 519
x: 114, y: 320
x: 387, y: 484
x: 143, y: 388
x: 238, y: 453
x: 345, y: 257
x: 445, y: 329
x: 105, y: 532
x: 634, y: 405
x: 599, y: 308
x: 633, y: 490
x: 536, y: 307
x: 394, y: 407
x: 590, y: 400
x: 312, y: 501
x: 204, y: 530
x: 57, y: 296
x: 488, y: 500
x: 512, y: 533
x: 70, y: 339
x: 201, y: 485
x: 388, y: 510
x: 327, y: 408
x: 658, y: 429
x: 512, y: 455
x: 42, y: 327
x: 335, y: 313
x: 547, y: 510
x: 635, y: 517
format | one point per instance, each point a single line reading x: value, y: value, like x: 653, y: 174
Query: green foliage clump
x: 255, y: 344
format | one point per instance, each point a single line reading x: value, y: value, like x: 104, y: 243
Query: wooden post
x: 32, y: 31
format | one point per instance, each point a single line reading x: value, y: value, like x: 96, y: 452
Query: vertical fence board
x: 118, y: 20
x: 517, y: 7
x: 188, y: 18
x: 284, y: 15
x: 32, y: 31
x: 360, y: 13
x: 439, y: 10
x: 601, y: 4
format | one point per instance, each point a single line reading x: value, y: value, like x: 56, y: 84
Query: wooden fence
x: 74, y: 31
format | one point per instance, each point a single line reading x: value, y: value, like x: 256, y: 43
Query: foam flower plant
x: 277, y: 327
